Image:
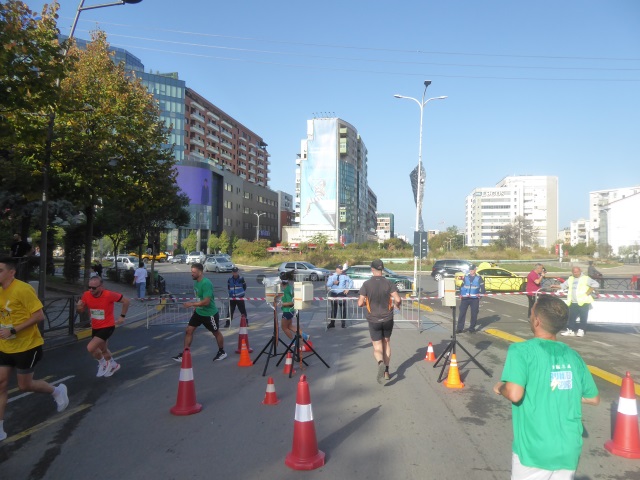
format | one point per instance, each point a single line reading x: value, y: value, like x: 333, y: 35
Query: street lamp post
x: 44, y: 216
x: 421, y: 104
x: 258, y: 227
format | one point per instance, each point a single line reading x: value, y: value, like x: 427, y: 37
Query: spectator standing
x: 140, y: 280
x: 19, y: 247
x: 579, y: 288
x: 100, y: 301
x: 379, y: 296
x: 205, y: 313
x: 97, y: 268
x: 339, y: 285
x: 470, y: 291
x: 534, y: 282
x: 237, y: 288
x: 20, y: 339
x: 546, y: 382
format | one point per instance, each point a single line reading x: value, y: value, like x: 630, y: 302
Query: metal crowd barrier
x: 407, y: 315
x: 168, y: 310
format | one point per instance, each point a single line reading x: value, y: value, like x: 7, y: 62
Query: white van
x: 126, y: 262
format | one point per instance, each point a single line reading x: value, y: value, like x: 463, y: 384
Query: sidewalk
x: 56, y: 338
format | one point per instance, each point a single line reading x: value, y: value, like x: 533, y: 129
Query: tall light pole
x: 44, y: 215
x: 421, y: 104
x: 258, y: 227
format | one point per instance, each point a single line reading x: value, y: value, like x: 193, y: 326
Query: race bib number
x: 97, y: 314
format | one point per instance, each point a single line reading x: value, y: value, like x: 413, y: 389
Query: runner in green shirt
x: 206, y: 312
x: 547, y: 382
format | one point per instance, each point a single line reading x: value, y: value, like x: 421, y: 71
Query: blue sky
x: 539, y: 88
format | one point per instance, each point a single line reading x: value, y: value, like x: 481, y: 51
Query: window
x: 228, y: 187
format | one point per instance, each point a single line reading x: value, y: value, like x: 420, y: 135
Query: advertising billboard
x: 196, y: 183
x: 318, y: 178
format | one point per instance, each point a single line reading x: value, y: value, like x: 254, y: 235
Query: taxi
x: 497, y: 279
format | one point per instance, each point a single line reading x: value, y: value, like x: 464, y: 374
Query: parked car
x: 159, y: 257
x: 196, y: 257
x: 180, y: 258
x: 449, y: 268
x: 360, y: 273
x: 217, y: 263
x: 306, y: 269
x: 497, y: 279
x: 127, y: 262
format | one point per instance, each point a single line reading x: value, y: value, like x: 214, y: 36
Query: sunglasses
x: 93, y: 288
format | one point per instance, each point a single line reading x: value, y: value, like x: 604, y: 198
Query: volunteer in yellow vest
x: 578, y: 288
x: 20, y: 339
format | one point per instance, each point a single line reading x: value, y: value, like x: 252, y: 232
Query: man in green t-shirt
x: 286, y: 323
x: 205, y: 312
x: 547, y: 382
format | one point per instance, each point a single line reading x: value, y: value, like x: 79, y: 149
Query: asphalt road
x: 412, y: 428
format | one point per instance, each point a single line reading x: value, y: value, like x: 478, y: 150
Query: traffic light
x: 420, y: 244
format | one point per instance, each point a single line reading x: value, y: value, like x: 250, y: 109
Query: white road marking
x: 602, y: 343
x: 505, y: 315
x: 130, y: 353
x: 174, y: 335
x: 636, y: 354
x: 523, y: 320
x: 29, y: 393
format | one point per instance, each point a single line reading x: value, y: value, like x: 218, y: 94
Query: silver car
x: 217, y: 263
x: 305, y: 270
x: 196, y: 257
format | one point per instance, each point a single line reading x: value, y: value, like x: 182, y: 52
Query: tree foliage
x: 189, y: 242
x: 520, y: 233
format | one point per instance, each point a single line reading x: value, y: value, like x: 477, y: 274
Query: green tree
x: 189, y: 243
x: 224, y: 242
x: 213, y: 243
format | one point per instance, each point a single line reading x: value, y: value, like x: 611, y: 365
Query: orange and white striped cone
x: 431, y: 356
x: 186, y: 402
x: 243, y: 334
x: 304, y: 454
x: 270, y: 397
x: 288, y: 365
x: 304, y: 347
x: 626, y: 436
x: 453, y: 379
x: 245, y: 360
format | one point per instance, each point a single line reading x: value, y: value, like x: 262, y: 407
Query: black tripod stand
x: 272, y: 344
x: 451, y: 348
x: 295, y: 348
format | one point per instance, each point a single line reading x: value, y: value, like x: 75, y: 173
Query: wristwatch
x: 13, y: 331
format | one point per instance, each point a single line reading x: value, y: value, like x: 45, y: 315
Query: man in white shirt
x: 140, y: 280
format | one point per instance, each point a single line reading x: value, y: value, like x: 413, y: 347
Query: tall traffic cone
x: 186, y: 402
x: 626, y: 437
x: 243, y: 335
x: 306, y: 347
x: 453, y: 379
x: 304, y: 454
x: 270, y: 397
x: 245, y: 360
x: 288, y: 365
x: 430, y: 357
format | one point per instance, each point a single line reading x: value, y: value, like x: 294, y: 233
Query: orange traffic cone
x: 305, y: 347
x: 245, y: 360
x: 304, y: 454
x: 431, y: 357
x: 453, y: 379
x: 243, y: 335
x: 288, y: 365
x: 270, y: 397
x: 186, y: 402
x: 626, y: 437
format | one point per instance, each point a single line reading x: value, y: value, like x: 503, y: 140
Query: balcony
x: 252, y: 160
x: 213, y: 126
x: 242, y: 175
x: 197, y: 105
x: 225, y: 155
x: 213, y: 138
x: 213, y: 115
x: 227, y: 144
x: 242, y: 147
x: 213, y: 149
x: 196, y: 141
x: 196, y: 128
x: 227, y: 124
x: 226, y: 134
x: 196, y: 154
x: 196, y: 116
x: 252, y: 170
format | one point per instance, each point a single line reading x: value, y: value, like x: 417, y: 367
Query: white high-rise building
x: 489, y: 209
x: 332, y: 193
x: 599, y: 201
x: 579, y: 231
